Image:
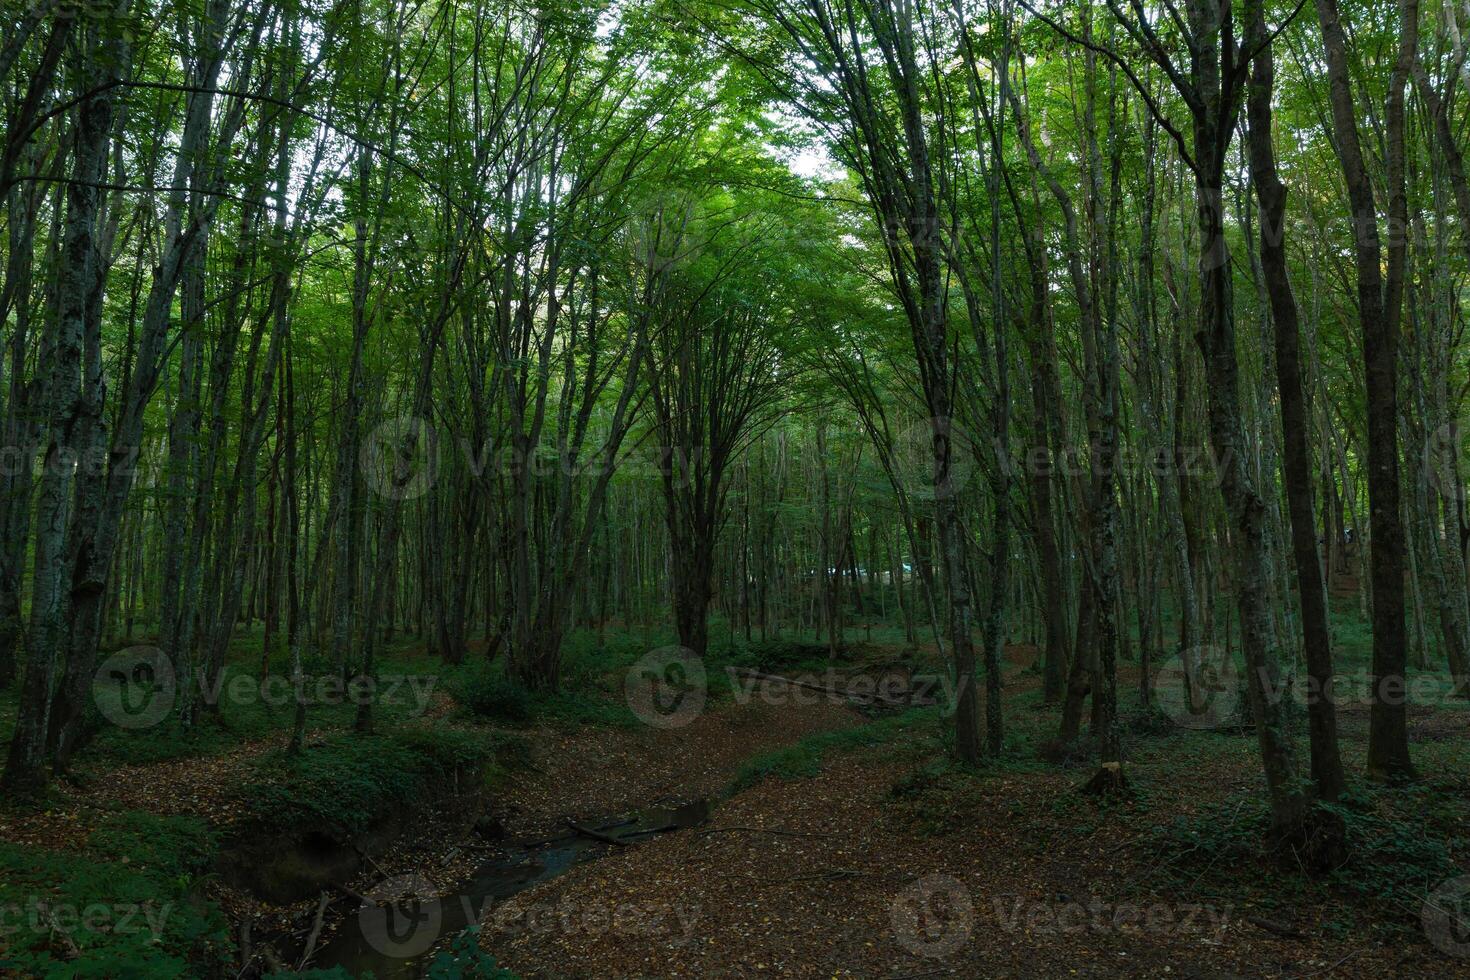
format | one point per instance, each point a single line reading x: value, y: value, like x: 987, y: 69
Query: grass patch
x: 936, y: 799
x: 805, y: 759
x: 248, y: 708
x: 122, y: 907
x: 591, y: 692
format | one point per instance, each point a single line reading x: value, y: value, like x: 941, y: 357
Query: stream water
x: 393, y: 939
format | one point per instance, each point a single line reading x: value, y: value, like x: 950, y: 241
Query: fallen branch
x: 1276, y: 928
x: 591, y: 834
x: 247, y: 956
x: 651, y: 831
x: 72, y: 950
x: 316, y: 932
x: 353, y: 893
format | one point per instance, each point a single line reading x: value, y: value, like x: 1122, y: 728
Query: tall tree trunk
x: 1378, y: 312
x: 1295, y: 415
x: 51, y: 608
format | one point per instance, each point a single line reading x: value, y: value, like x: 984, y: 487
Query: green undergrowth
x: 125, y: 905
x: 939, y: 797
x: 347, y: 781
x: 487, y: 694
x: 245, y: 708
x: 1401, y: 846
x: 594, y: 672
x: 805, y: 758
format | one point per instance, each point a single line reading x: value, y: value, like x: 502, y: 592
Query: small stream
x: 394, y: 940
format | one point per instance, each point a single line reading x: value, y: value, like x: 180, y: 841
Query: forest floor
x: 841, y: 842
x: 884, y: 860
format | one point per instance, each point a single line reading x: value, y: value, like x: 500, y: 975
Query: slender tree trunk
x: 1295, y: 412
x: 1378, y: 311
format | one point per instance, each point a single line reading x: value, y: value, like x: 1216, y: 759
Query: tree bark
x: 1295, y: 415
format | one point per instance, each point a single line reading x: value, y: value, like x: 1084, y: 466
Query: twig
x: 596, y: 835
x: 651, y: 831
x: 316, y: 932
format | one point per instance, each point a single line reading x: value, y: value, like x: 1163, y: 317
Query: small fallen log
x: 1276, y: 928
x: 596, y: 835
x: 351, y: 892
x: 247, y: 955
x: 651, y: 831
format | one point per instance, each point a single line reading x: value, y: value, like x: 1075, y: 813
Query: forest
x: 734, y: 488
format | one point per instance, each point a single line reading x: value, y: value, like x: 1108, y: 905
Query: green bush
x: 1394, y: 857
x: 487, y: 693
x: 587, y: 696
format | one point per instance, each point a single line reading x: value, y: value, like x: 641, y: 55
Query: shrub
x: 487, y: 693
x: 349, y: 781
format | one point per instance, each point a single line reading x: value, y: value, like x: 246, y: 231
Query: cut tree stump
x: 1107, y: 781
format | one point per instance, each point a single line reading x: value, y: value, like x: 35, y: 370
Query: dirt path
x: 581, y: 774
x: 821, y: 878
x: 596, y: 772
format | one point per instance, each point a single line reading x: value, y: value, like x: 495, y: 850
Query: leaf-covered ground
x: 843, y: 843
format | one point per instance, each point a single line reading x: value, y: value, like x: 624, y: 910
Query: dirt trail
x: 812, y: 878
x: 595, y: 772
